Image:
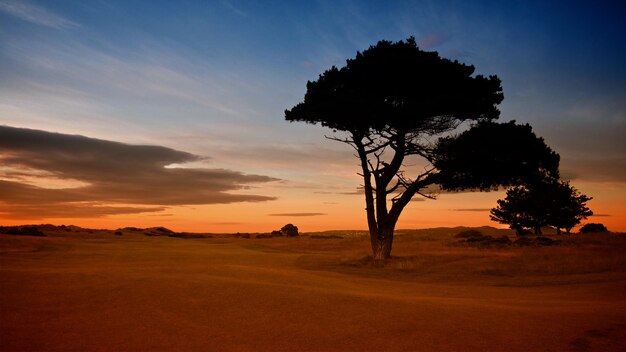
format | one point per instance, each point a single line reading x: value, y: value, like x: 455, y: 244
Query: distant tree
x: 517, y: 211
x: 289, y: 230
x: 593, y: 228
x: 394, y: 101
x: 568, y: 207
x: 547, y: 202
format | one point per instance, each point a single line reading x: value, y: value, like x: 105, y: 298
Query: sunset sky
x: 171, y: 113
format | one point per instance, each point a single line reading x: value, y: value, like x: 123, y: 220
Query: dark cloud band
x: 114, y: 175
x: 298, y: 214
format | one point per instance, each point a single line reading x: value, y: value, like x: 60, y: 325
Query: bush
x: 469, y: 234
x: 290, y: 230
x: 326, y: 237
x: 591, y: 228
x: 477, y: 239
x: 537, y: 242
x: 523, y: 232
x: 21, y: 230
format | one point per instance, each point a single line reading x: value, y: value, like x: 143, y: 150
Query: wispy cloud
x: 112, y: 175
x: 431, y: 40
x: 58, y: 81
x: 298, y: 214
x: 26, y: 11
x: 73, y: 210
x: 595, y: 169
x: 472, y: 209
x: 229, y: 5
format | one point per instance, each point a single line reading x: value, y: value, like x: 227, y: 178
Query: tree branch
x: 390, y: 170
x: 346, y: 141
x: 412, y: 189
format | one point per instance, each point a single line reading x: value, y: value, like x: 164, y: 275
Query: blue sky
x: 214, y: 77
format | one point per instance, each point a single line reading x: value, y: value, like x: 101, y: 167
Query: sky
x: 171, y: 113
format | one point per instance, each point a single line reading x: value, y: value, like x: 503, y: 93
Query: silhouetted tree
x: 593, y: 228
x: 547, y: 202
x: 568, y: 207
x: 289, y: 230
x: 393, y: 101
x: 517, y: 211
x: 491, y: 154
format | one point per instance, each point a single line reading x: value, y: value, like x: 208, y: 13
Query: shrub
x: 545, y: 241
x: 21, y: 230
x: 469, y: 234
x: 326, y: 237
x: 591, y: 227
x: 290, y: 230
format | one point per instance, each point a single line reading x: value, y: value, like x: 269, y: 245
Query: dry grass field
x: 80, y: 290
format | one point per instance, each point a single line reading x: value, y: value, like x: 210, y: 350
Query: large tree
x: 394, y: 101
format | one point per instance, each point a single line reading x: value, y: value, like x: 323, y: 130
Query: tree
x: 568, y: 207
x: 514, y: 211
x: 289, y: 230
x: 548, y: 202
x: 391, y: 103
x: 593, y: 228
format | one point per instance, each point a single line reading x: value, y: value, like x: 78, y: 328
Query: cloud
x: 73, y: 210
x: 431, y: 40
x: 62, y: 80
x: 110, y: 176
x: 309, y: 64
x: 595, y: 169
x: 35, y: 14
x: 356, y: 192
x: 472, y: 209
x: 229, y: 5
x: 591, y: 143
x: 298, y: 214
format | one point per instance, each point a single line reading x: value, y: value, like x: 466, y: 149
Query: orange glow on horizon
x: 337, y: 213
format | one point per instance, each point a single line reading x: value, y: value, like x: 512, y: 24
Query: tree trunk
x: 381, y: 243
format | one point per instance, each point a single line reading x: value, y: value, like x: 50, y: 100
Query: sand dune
x: 101, y: 292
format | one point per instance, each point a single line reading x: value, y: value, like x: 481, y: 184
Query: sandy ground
x: 100, y: 292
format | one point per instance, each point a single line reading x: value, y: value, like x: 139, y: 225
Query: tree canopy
x: 492, y: 154
x: 394, y: 101
x: 398, y: 86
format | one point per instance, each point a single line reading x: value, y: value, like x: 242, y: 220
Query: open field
x: 75, y: 291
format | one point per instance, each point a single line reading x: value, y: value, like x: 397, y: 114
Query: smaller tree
x: 548, y: 202
x: 289, y: 230
x: 593, y: 228
x: 517, y: 211
x: 568, y: 207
